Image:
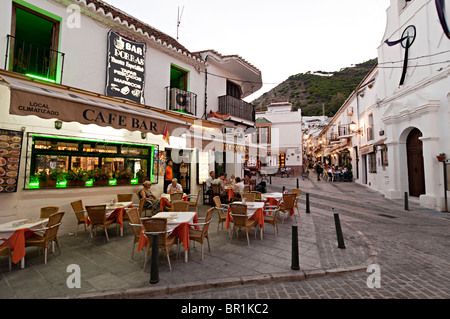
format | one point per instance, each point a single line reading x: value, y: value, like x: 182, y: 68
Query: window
x: 372, y: 162
x: 370, y: 135
x: 34, y: 44
x: 178, y: 78
x: 234, y: 90
x: 50, y: 153
x: 264, y: 135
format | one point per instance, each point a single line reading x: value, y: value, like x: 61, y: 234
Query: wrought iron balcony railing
x: 236, y: 107
x: 33, y: 59
x: 181, y: 101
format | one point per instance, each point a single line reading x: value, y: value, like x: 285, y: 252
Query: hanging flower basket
x: 441, y: 158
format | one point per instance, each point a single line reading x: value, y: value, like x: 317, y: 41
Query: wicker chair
x: 124, y: 197
x: 288, y: 205
x: 222, y: 210
x: 179, y: 206
x: 47, y: 211
x: 297, y: 191
x: 97, y: 217
x: 141, y: 207
x: 241, y: 220
x: 176, y: 196
x: 135, y: 221
x: 199, y: 235
x: 79, y: 211
x: 6, y: 250
x: 271, y: 216
x: 158, y: 226
x: 195, y: 197
x: 258, y: 197
x: 246, y: 188
x: 249, y: 197
x: 50, y: 236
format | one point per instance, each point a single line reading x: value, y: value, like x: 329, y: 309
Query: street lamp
x: 353, y: 126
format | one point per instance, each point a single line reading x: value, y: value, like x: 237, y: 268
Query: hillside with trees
x: 313, y: 91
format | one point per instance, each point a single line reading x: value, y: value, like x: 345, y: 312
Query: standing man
x: 319, y: 170
x: 168, y: 176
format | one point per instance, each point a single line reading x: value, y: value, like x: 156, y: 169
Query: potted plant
x: 76, y: 177
x: 44, y: 180
x: 100, y: 176
x: 141, y: 175
x: 441, y: 157
x: 124, y: 176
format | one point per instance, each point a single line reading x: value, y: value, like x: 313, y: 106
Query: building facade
x: 87, y: 88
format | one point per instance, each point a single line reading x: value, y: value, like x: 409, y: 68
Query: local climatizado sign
x: 125, y: 75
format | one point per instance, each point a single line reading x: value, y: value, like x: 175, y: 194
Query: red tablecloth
x: 230, y: 193
x: 258, y: 215
x: 17, y: 243
x: 181, y: 231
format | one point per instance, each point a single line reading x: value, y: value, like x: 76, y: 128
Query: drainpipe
x: 206, y: 87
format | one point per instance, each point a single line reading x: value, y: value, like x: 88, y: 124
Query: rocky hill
x: 312, y: 91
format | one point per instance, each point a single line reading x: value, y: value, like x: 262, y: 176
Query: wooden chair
x: 271, y: 216
x: 141, y: 207
x: 297, y: 191
x: 258, y: 197
x: 97, y: 218
x: 194, y: 203
x: 216, y: 190
x: 6, y: 250
x: 135, y: 221
x: 206, y: 195
x: 288, y: 205
x: 199, y: 235
x: 47, y: 211
x: 158, y: 226
x: 176, y: 196
x: 124, y: 197
x: 241, y: 220
x: 222, y: 210
x: 247, y: 189
x: 50, y: 235
x: 79, y: 211
x: 179, y: 206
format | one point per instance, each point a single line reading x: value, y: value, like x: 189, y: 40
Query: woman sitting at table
x: 174, y: 187
x: 151, y: 201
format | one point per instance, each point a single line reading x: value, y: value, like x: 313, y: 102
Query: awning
x: 367, y: 149
x: 50, y: 101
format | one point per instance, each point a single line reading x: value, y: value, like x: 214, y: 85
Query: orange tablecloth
x: 17, y: 243
x: 230, y: 193
x: 165, y: 202
x: 258, y: 215
x: 181, y: 231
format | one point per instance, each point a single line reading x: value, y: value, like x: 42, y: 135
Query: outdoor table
x: 16, y: 232
x: 272, y: 198
x: 254, y: 211
x: 177, y: 224
x: 165, y: 198
x: 115, y: 210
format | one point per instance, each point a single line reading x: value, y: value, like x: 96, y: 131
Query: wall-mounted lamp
x: 143, y: 135
x: 58, y: 124
x: 353, y: 128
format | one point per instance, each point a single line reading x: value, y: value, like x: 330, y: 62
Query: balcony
x: 236, y: 107
x: 34, y: 60
x: 181, y: 101
x: 344, y: 130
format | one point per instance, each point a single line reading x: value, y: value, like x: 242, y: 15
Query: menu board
x: 125, y: 76
x: 10, y: 150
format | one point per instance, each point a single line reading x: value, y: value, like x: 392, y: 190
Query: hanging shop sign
x: 125, y: 72
x: 10, y: 150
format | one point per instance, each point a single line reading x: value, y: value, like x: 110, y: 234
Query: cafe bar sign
x: 125, y: 72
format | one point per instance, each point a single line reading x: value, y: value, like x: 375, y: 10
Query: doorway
x: 416, y: 172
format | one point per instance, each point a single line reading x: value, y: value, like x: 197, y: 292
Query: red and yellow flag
x: 166, y: 134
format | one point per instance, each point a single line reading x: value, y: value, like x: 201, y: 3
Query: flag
x: 166, y: 134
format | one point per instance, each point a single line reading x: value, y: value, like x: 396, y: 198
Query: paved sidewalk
x: 108, y: 271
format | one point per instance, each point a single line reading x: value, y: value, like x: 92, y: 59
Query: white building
x: 400, y: 112
x: 100, y: 96
x: 280, y: 129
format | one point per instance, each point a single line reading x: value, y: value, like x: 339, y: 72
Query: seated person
x: 209, y: 181
x: 151, y: 201
x: 219, y: 181
x: 238, y: 187
x: 174, y: 187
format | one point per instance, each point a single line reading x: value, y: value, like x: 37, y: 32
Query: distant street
x: 412, y: 248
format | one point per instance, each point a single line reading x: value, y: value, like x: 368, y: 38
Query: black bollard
x: 295, y: 265
x: 406, y: 201
x: 307, y: 203
x: 297, y: 184
x: 270, y: 179
x: 154, y: 271
x: 340, y: 238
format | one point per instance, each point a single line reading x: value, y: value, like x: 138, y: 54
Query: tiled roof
x: 133, y: 22
x: 233, y: 56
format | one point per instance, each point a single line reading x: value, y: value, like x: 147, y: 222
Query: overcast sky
x: 279, y: 37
